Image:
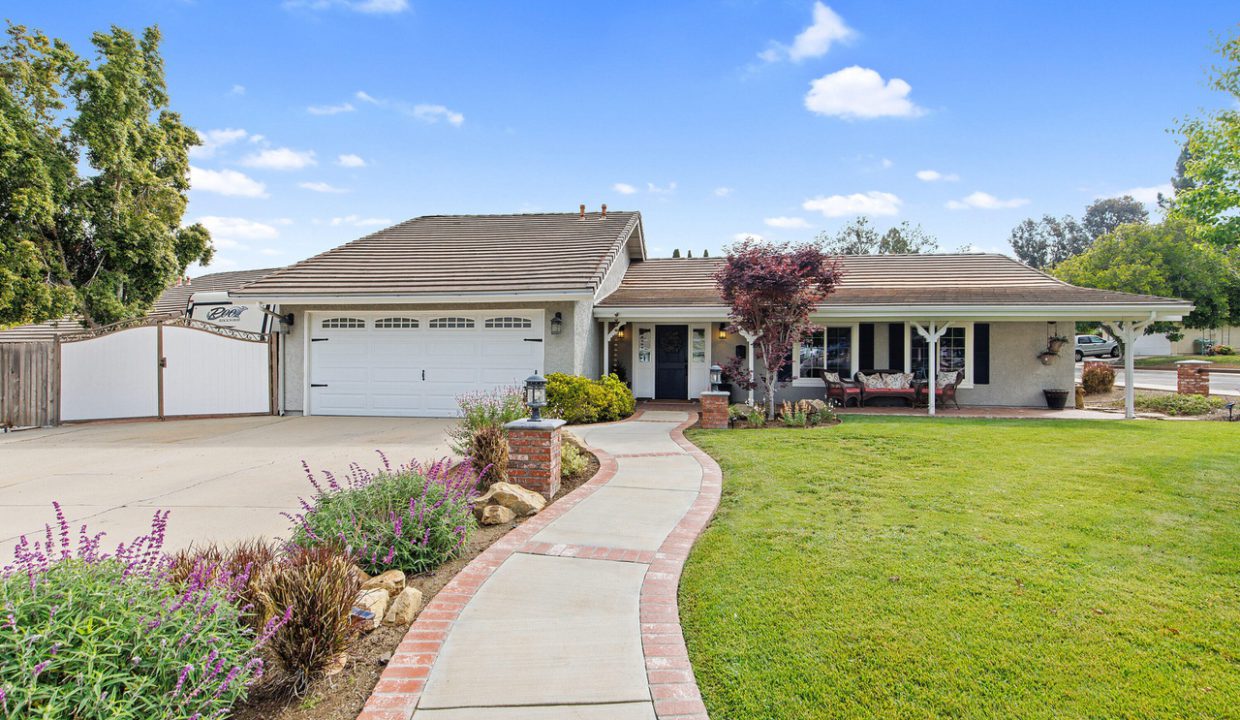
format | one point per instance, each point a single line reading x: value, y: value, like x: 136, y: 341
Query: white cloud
x: 886, y: 163
x: 225, y: 182
x: 350, y: 160
x: 665, y: 190
x: 936, y: 176
x: 270, y: 252
x: 238, y: 90
x: 786, y: 223
x: 280, y: 159
x: 870, y: 203
x: 379, y: 7
x: 281, y: 221
x: 1147, y: 195
x: 857, y: 92
x: 723, y: 191
x: 222, y: 263
x: 321, y: 187
x: 435, y: 113
x: 370, y: 7
x: 985, y: 201
x: 738, y: 237
x: 235, y: 227
x: 224, y: 243
x: 359, y: 221
x: 814, y: 41
x: 256, y: 139
x: 331, y: 109
x: 213, y: 140
x: 624, y: 188
x: 364, y: 97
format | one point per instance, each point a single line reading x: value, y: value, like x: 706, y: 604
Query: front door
x: 671, y: 362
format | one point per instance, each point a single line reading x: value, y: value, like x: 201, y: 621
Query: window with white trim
x: 343, y: 323
x: 451, y: 323
x: 828, y: 349
x: 955, y: 352
x: 508, y: 323
x: 396, y: 323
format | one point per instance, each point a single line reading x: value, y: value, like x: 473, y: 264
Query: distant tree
x: 1169, y: 259
x: 689, y: 255
x: 91, y: 196
x: 676, y: 253
x: 1210, y: 192
x: 706, y: 253
x: 1049, y: 241
x: 1178, y: 181
x: 859, y: 237
x: 1104, y: 215
x: 771, y: 290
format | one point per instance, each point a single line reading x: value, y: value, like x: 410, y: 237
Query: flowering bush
x: 1098, y: 378
x: 85, y: 634
x: 485, y: 409
x: 412, y: 518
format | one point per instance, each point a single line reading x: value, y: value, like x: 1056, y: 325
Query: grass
x: 909, y: 568
x: 1170, y: 360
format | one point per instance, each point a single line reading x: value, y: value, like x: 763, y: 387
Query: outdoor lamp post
x: 716, y: 376
x: 536, y: 395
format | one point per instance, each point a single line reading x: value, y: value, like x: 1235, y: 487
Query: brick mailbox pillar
x: 715, y: 409
x: 1192, y: 377
x: 534, y: 455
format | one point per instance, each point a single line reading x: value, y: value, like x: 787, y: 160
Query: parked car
x: 1094, y: 346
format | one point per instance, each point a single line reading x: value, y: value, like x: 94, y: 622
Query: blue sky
x: 327, y: 119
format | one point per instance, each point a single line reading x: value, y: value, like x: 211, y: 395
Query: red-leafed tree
x: 772, y: 288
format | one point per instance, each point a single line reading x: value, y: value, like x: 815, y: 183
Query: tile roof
x: 961, y: 279
x: 454, y: 254
x: 172, y: 301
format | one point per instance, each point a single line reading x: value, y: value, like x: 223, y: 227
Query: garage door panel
x: 395, y: 374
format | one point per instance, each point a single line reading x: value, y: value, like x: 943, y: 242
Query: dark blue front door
x: 671, y: 362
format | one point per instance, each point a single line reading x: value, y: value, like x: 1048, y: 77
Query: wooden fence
x: 29, y: 385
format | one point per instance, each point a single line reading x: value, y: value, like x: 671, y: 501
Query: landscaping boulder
x: 374, y: 602
x: 404, y: 607
x: 514, y: 497
x: 393, y: 581
x: 495, y: 515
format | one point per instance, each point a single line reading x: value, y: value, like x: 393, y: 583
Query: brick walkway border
x: 672, y: 686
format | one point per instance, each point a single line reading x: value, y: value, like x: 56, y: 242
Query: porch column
x: 1129, y: 331
x: 932, y: 346
x: 749, y: 338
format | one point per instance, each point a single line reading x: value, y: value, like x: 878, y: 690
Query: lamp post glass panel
x: 536, y: 395
x: 716, y: 376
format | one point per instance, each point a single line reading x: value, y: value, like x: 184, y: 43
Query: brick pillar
x: 715, y: 409
x: 1192, y: 377
x: 534, y: 455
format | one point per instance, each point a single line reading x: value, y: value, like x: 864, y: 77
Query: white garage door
x: 417, y: 363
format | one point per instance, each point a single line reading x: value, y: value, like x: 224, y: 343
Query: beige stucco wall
x: 568, y: 352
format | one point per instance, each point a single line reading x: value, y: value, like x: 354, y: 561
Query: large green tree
x: 94, y: 175
x: 1210, y: 191
x: 859, y: 237
x: 1104, y: 215
x: 1047, y: 242
x: 1168, y: 259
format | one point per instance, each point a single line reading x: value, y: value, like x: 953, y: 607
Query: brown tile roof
x: 172, y: 301
x: 965, y: 279
x: 482, y: 254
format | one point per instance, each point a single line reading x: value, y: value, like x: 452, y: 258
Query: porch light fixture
x: 716, y: 376
x: 536, y: 395
x: 620, y: 333
x: 557, y: 326
x: 723, y: 331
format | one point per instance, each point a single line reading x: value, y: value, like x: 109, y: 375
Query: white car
x: 1094, y: 346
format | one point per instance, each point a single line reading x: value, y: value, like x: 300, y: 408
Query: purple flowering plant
x: 90, y: 634
x: 412, y: 518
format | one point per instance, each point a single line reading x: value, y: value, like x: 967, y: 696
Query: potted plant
x: 1047, y: 357
x: 1056, y: 399
x: 1056, y: 343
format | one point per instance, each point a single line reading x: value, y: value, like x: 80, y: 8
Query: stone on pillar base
x: 534, y: 455
x: 715, y: 409
x: 1192, y: 377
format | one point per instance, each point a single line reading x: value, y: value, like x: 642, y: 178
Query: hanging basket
x: 1056, y: 344
x: 1048, y: 357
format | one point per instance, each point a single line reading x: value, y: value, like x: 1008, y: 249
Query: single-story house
x: 402, y: 321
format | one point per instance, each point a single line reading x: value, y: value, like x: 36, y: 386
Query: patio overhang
x: 1168, y: 312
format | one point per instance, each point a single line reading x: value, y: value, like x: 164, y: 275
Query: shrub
x: 751, y: 414
x: 1178, y: 404
x: 242, y: 562
x: 91, y: 635
x: 1098, y: 378
x: 485, y: 409
x: 1224, y: 350
x: 413, y: 518
x: 318, y: 586
x: 578, y: 400
x: 573, y: 461
x: 806, y: 413
x: 489, y: 455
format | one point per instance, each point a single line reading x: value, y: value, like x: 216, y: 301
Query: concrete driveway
x: 222, y: 479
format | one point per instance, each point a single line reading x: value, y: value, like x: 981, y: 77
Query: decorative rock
x: 495, y: 515
x: 337, y: 665
x: 514, y: 497
x: 374, y: 602
x: 393, y: 581
x: 404, y: 608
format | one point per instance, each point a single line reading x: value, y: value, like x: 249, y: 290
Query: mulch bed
x: 1114, y: 402
x: 342, y: 696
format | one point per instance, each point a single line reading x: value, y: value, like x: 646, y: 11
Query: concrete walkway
x: 573, y: 614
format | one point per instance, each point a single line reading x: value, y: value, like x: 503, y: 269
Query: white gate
x: 167, y: 368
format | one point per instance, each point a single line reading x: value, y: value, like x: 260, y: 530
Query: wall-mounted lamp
x: 723, y: 331
x: 620, y: 333
x: 557, y: 324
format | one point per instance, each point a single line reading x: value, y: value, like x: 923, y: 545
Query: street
x: 1220, y: 383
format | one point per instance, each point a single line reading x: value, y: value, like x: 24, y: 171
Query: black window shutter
x: 981, y: 353
x: 895, y: 346
x: 865, y: 353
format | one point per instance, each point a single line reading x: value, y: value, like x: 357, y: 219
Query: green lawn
x: 1170, y: 360
x: 910, y: 568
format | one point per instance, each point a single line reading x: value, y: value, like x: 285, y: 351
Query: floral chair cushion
x: 945, y: 379
x: 831, y: 377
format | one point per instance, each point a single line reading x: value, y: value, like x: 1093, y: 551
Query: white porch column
x: 1129, y: 331
x: 749, y: 338
x: 932, y: 344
